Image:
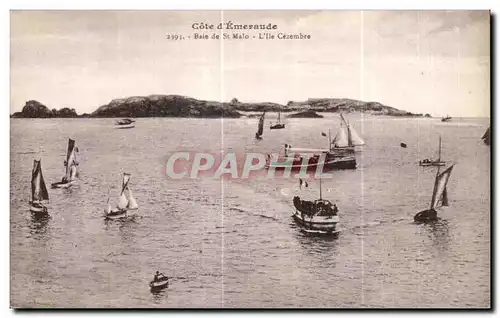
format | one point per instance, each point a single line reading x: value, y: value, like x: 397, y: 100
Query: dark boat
x: 278, y: 125
x: 260, y: 127
x: 315, y: 217
x: 487, y: 137
x: 71, y: 165
x: 431, y: 162
x: 447, y: 118
x: 39, y: 192
x: 439, y: 197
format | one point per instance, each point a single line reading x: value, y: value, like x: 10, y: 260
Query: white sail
x: 132, y: 203
x: 440, y: 196
x: 341, y: 139
x: 123, y: 201
x: 73, y: 173
x: 126, y: 199
x: 355, y: 139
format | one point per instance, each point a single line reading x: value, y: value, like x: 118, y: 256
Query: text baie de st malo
x: 236, y: 31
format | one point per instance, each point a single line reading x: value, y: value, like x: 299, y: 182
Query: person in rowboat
x: 158, y: 276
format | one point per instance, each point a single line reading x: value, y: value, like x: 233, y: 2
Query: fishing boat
x: 431, y: 162
x: 260, y: 127
x: 316, y: 217
x: 447, y: 118
x: 340, y: 153
x: 487, y: 137
x: 346, y: 139
x: 310, y: 159
x: 126, y: 201
x: 439, y: 197
x: 39, y: 192
x: 278, y: 125
x: 159, y: 284
x: 125, y: 124
x: 71, y: 165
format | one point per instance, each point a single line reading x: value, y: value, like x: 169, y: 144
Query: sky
x: 435, y: 62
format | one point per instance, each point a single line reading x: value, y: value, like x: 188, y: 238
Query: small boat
x: 260, y: 127
x: 431, y: 162
x: 125, y: 124
x: 126, y: 202
x: 160, y: 284
x: 439, y: 197
x: 316, y: 217
x: 487, y: 136
x: 278, y: 125
x: 403, y: 145
x: 447, y: 118
x: 39, y: 192
x: 71, y: 165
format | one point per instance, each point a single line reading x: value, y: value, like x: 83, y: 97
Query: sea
x: 231, y: 242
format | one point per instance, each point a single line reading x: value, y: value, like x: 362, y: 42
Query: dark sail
x: 38, y: 189
x: 70, y: 162
x: 445, y: 198
x: 486, y: 137
x: 439, y: 194
x: 260, y: 130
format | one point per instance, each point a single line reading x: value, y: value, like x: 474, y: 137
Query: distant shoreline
x: 178, y: 106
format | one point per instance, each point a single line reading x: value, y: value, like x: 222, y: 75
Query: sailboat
x: 278, y: 125
x: 487, y: 137
x: 71, y: 165
x: 126, y: 201
x: 431, y: 162
x: 260, y: 129
x: 439, y: 197
x: 447, y: 118
x: 346, y: 138
x: 39, y: 192
x: 316, y: 217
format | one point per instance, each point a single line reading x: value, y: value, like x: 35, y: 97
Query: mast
x: 320, y: 196
x: 439, y: 156
x: 330, y: 139
x: 279, y: 117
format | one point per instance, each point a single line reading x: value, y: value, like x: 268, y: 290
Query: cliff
x: 165, y: 106
x: 346, y: 105
x: 35, y: 109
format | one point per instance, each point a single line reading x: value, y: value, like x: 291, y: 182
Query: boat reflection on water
x: 38, y: 223
x: 439, y: 233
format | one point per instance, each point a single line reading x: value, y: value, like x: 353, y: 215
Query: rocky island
x: 35, y: 109
x: 182, y: 106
